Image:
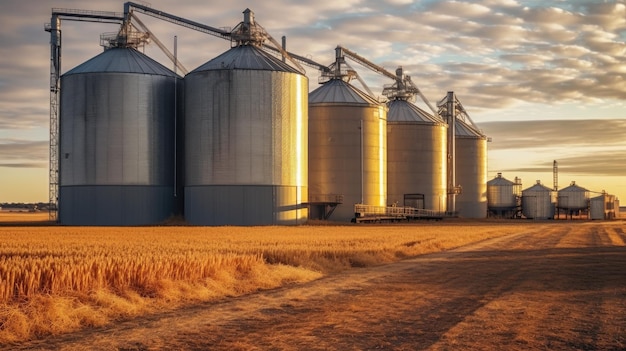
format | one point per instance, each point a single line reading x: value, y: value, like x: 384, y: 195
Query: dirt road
x: 559, y: 287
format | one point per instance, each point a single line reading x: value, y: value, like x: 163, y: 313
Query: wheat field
x: 56, y: 279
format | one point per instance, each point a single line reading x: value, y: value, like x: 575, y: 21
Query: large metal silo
x: 245, y: 140
x: 416, y: 155
x: 503, y: 196
x: 471, y: 171
x: 347, y: 147
x: 116, y: 155
x: 538, y: 202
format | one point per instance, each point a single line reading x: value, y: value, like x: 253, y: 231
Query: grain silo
x: 471, y: 170
x: 503, y: 197
x: 245, y: 136
x: 116, y: 155
x: 347, y: 146
x: 538, y: 202
x: 416, y: 149
x: 602, y: 207
x: 573, y: 199
x: 467, y: 161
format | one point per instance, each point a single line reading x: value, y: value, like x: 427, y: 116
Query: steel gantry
x: 405, y: 79
x: 54, y: 27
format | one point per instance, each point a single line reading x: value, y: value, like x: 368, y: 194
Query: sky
x: 544, y: 79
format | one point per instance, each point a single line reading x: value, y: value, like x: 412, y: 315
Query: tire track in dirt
x: 554, y: 287
x: 568, y: 299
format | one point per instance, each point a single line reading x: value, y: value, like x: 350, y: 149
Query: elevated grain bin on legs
x: 538, y: 202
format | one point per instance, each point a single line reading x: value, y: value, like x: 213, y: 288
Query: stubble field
x: 315, y: 287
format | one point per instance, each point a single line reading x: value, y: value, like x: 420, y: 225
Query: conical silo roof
x: 338, y: 91
x: 538, y: 188
x: 122, y: 60
x: 404, y: 111
x: 499, y: 180
x: 573, y: 188
x: 246, y: 57
x: 463, y: 130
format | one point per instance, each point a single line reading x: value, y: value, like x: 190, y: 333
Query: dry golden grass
x: 59, y: 279
x: 19, y: 217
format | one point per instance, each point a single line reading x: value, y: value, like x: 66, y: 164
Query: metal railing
x: 362, y: 211
x: 326, y: 198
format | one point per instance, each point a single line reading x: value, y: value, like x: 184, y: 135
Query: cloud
x: 516, y: 135
x: 607, y: 164
x: 23, y: 153
x: 25, y: 165
x: 557, y: 52
x: 594, y: 148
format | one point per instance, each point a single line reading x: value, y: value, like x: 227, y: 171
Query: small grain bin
x: 573, y: 200
x: 503, y: 197
x: 538, y: 202
x: 602, y: 207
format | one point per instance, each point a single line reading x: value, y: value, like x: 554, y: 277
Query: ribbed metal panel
x: 573, y: 198
x: 245, y: 57
x: 245, y: 141
x: 347, y: 147
x: 602, y: 207
x: 244, y: 205
x: 463, y: 130
x: 339, y: 92
x: 538, y: 202
x: 501, y: 194
x: 107, y: 205
x: 117, y: 133
x: 121, y: 60
x: 416, y: 155
x: 471, y: 172
x: 404, y: 111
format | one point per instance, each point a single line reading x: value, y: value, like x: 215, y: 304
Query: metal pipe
x: 451, y: 119
x: 362, y: 162
x: 175, y: 115
x: 284, y: 42
x: 55, y: 90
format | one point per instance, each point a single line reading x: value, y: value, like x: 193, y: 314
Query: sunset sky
x: 546, y: 80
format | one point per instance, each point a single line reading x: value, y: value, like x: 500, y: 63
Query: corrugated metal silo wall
x: 573, y: 198
x: 500, y: 195
x: 338, y: 134
x: 537, y: 205
x: 116, y: 154
x: 471, y: 174
x: 598, y: 207
x: 416, y: 163
x: 245, y: 147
